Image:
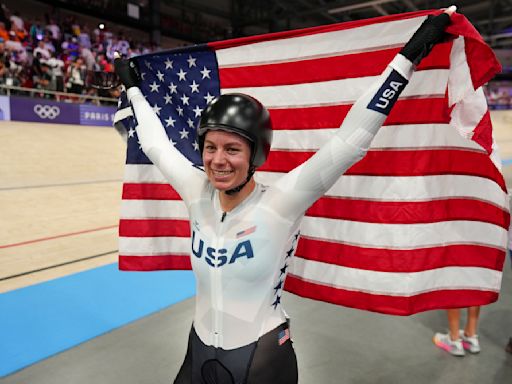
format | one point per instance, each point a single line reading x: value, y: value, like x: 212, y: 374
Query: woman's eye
x: 233, y: 150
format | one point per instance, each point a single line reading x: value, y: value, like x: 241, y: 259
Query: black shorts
x: 270, y: 359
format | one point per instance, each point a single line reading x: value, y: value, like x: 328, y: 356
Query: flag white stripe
x: 122, y: 114
x: 143, y: 173
x: 415, y: 136
x: 152, y: 209
x: 368, y: 37
x: 415, y: 188
x: 424, y: 83
x: 396, y: 283
x: 152, y: 246
x: 405, y: 236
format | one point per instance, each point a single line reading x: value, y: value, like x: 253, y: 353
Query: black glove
x: 428, y: 34
x: 127, y: 72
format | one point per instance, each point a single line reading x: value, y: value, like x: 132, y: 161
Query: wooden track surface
x: 60, y: 191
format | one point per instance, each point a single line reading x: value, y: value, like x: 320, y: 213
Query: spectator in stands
x: 36, y: 31
x: 76, y: 77
x: 4, y: 33
x: 3, y: 72
x: 36, y: 65
x: 42, y: 50
x: 48, y: 43
x: 43, y: 81
x: 56, y: 69
x: 17, y: 20
x: 84, y: 38
x: 70, y: 46
x: 54, y: 30
x: 88, y: 57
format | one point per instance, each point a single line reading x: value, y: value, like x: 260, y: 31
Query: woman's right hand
x: 127, y: 71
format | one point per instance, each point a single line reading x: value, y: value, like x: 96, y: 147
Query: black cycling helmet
x: 242, y: 114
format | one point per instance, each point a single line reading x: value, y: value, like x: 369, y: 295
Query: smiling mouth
x: 221, y: 173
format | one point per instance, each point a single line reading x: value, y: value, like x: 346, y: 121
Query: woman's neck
x: 230, y: 202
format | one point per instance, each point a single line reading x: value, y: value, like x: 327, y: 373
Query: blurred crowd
x: 499, y: 95
x: 58, y: 55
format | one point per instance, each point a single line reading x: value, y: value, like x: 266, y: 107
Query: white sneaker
x: 454, y: 347
x: 470, y: 344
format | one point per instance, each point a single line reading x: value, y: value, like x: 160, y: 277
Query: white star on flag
x: 131, y: 132
x: 209, y: 98
x: 168, y: 64
x: 190, y: 123
x: 206, y: 73
x: 148, y: 64
x: 195, y: 145
x: 156, y: 109
x: 179, y: 110
x: 168, y: 99
x: 197, y: 111
x: 160, y: 76
x: 194, y: 86
x: 170, y: 121
x: 154, y: 87
x: 182, y: 75
x: 191, y: 61
x: 184, y: 99
x: 173, y: 88
x: 183, y: 134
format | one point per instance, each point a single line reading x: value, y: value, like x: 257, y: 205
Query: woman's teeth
x: 222, y: 172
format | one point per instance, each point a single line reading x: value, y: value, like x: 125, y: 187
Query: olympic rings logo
x: 47, y: 111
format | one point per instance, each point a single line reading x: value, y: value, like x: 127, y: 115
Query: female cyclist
x: 242, y: 232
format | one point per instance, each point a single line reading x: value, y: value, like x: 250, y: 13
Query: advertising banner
x: 44, y: 111
x: 96, y: 115
x: 5, y: 108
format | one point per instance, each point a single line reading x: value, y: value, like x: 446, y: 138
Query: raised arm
x: 300, y: 188
x: 176, y: 168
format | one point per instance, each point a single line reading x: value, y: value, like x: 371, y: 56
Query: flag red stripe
x: 398, y: 260
x: 409, y: 212
x: 149, y: 191
x: 432, y: 110
x: 395, y: 305
x: 353, y: 65
x: 482, y: 61
x: 154, y: 263
x: 154, y: 228
x: 402, y: 163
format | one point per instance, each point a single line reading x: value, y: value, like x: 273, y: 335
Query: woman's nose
x: 219, y: 157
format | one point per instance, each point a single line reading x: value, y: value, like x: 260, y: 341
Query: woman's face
x: 226, y: 158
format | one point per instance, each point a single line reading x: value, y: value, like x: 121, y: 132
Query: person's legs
x: 451, y: 342
x: 469, y: 336
x: 472, y: 323
x: 274, y: 359
x: 185, y: 374
x: 453, y: 323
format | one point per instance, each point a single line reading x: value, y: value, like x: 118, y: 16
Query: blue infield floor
x: 44, y: 319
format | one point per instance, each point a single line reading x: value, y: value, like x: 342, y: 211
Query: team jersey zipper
x: 217, y: 298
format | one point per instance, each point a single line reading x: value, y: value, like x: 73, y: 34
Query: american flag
x: 283, y: 336
x: 420, y: 223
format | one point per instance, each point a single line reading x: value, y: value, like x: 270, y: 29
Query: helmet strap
x: 232, y: 191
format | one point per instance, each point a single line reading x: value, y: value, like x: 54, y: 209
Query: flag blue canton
x: 178, y: 85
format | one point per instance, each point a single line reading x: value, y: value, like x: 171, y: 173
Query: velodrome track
x: 69, y: 314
